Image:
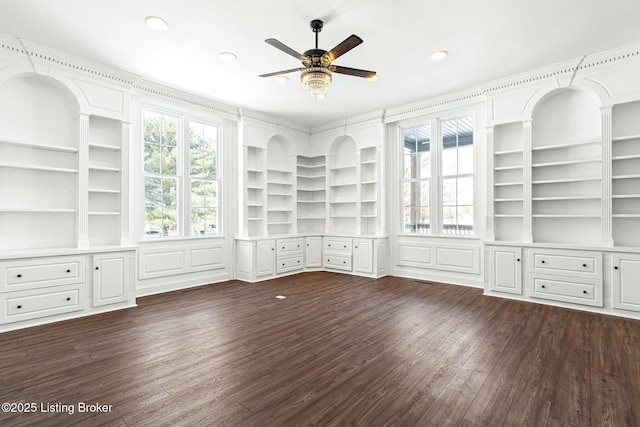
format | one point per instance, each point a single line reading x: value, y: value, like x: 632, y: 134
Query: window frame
x: 436, y: 200
x: 183, y: 170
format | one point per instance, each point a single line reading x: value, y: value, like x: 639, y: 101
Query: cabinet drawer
x: 35, y: 303
x: 337, y: 245
x: 586, y: 292
x: 289, y: 246
x: 31, y: 274
x: 338, y: 262
x: 573, y: 264
x: 289, y: 264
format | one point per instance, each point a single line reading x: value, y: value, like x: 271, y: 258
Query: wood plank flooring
x: 339, y: 350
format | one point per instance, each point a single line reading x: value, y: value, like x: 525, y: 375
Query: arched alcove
x: 38, y: 108
x: 567, y: 167
x: 38, y: 163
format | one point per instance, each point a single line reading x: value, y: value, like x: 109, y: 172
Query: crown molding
x: 149, y: 88
x: 374, y: 117
x: 456, y: 99
x: 266, y: 119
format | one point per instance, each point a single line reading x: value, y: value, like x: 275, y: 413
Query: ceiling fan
x: 318, y: 67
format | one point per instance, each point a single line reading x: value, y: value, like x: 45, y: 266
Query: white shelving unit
x: 369, y: 191
x: 626, y: 174
x: 508, y: 181
x: 104, y: 181
x: 566, y: 169
x: 280, y: 189
x: 343, y: 187
x: 311, y: 194
x: 39, y: 165
x: 255, y: 194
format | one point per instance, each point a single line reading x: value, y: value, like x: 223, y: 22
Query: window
x: 160, y: 174
x: 447, y: 206
x: 416, y: 181
x: 457, y: 176
x: 174, y: 206
x: 203, y: 173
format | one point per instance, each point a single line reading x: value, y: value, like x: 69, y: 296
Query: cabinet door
x: 313, y: 252
x: 625, y: 278
x: 506, y: 270
x: 265, y: 258
x: 363, y: 255
x: 111, y: 278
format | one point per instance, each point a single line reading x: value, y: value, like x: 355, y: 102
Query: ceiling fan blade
x: 344, y: 47
x: 283, y: 47
x: 277, y: 73
x: 352, y: 71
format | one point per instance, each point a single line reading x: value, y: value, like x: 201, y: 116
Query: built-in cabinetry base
x: 260, y: 259
x: 601, y: 280
x: 64, y: 284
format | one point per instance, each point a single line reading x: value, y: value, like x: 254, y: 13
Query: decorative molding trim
x: 267, y: 119
x: 466, y: 97
x: 347, y: 123
x: 159, y: 90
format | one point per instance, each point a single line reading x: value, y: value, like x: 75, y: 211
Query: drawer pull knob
x: 615, y: 268
x: 345, y: 246
x: 543, y: 286
x: 283, y: 247
x: 283, y: 264
x: 97, y: 268
x: 584, y: 292
x: 356, y: 247
x: 68, y: 299
x: 329, y: 244
x: 298, y: 261
x: 518, y: 259
x: 298, y: 245
x: 19, y: 306
x: 68, y: 271
x: 543, y: 261
x: 19, y: 275
x: 584, y: 265
x: 272, y: 249
x: 344, y: 262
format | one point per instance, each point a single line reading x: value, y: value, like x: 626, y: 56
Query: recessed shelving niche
x: 311, y: 194
x: 280, y: 187
x: 626, y: 174
x: 343, y: 187
x: 508, y: 181
x: 38, y: 164
x: 566, y: 175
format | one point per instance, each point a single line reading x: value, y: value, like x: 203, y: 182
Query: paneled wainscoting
x: 338, y: 350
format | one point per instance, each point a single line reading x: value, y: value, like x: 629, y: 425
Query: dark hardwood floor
x: 339, y: 350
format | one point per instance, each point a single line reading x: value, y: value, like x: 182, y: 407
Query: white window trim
x: 185, y: 117
x: 435, y: 194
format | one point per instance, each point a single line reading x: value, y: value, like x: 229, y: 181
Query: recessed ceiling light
x: 228, y: 56
x: 438, y: 55
x: 282, y: 79
x: 156, y: 23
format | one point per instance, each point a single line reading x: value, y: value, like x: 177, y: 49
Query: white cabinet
x: 625, y: 281
x: 505, y: 270
x: 112, y: 278
x: 313, y: 252
x: 363, y: 255
x: 289, y: 255
x: 265, y: 257
x: 567, y: 276
x: 337, y: 253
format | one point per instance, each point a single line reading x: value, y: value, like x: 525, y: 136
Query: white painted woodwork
x: 625, y: 272
x: 313, y: 252
x: 265, y: 258
x: 363, y: 255
x: 505, y: 270
x: 111, y: 278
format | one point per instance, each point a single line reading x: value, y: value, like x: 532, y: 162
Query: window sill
x: 182, y: 239
x: 439, y: 236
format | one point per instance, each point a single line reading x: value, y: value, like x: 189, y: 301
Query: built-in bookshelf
x: 311, y: 194
x: 566, y: 169
x: 280, y: 188
x: 255, y: 194
x: 625, y: 157
x: 39, y: 165
x: 104, y: 181
x: 343, y: 187
x: 508, y: 181
x: 369, y: 191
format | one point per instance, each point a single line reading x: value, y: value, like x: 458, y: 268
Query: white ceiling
x: 487, y: 40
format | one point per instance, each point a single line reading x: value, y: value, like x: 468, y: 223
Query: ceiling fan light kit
x: 317, y: 71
